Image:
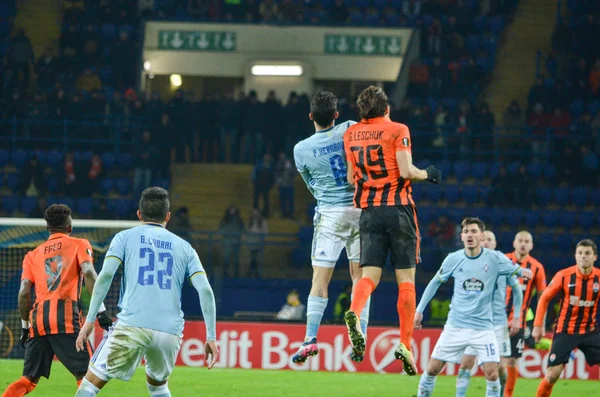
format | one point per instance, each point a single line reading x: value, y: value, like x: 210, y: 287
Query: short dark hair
x: 588, y: 243
x: 154, y: 204
x: 471, y: 221
x: 57, y: 216
x: 323, y: 108
x: 372, y: 102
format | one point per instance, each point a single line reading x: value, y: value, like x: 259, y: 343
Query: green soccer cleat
x: 408, y: 362
x: 357, y: 339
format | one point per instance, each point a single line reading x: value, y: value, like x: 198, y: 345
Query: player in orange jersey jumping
x: 576, y: 326
x: 56, y: 269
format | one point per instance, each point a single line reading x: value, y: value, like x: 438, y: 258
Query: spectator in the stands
x: 33, y: 180
x: 568, y: 165
x: 442, y: 231
x: 272, y: 123
x: 263, y: 178
x: 71, y: 184
x: 70, y: 46
x: 590, y: 165
x: 437, y: 75
x: 180, y: 223
x: 560, y: 122
x: 234, y: 9
x: 538, y: 123
x: 39, y: 209
x: 123, y: 55
x: 163, y: 137
x: 419, y: 77
x: 91, y: 180
x: 46, y: 69
x: 146, y: 153
x: 257, y: 231
x: 19, y: 57
x: 594, y: 78
x: 228, y: 118
x: 434, y: 37
x: 285, y: 173
x: 102, y: 211
x: 288, y: 10
x: 253, y: 142
x: 59, y: 103
x: 511, y: 133
x: 268, y: 10
x: 538, y: 94
x: 339, y: 12
x: 523, y: 188
x: 91, y: 45
x: 485, y: 124
x: 88, y: 81
x: 502, y: 191
x: 231, y: 227
x: 411, y: 8
x: 293, y: 308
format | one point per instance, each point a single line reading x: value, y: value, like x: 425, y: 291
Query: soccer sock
x: 87, y: 389
x: 407, y: 302
x: 362, y: 291
x: 79, y: 383
x: 159, y: 391
x: 462, y: 382
x: 314, y: 313
x: 544, y: 389
x: 364, y: 316
x: 426, y: 385
x: 502, y: 377
x: 19, y: 388
x: 493, y: 388
x: 511, y: 380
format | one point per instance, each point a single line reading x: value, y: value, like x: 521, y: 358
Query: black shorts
x: 391, y: 230
x: 564, y: 344
x: 40, y: 351
x: 517, y: 344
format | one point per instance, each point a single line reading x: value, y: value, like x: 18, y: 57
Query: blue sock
x: 426, y: 385
x: 87, y: 389
x: 462, y: 382
x: 314, y: 314
x: 364, y: 316
x: 159, y: 391
x: 493, y: 388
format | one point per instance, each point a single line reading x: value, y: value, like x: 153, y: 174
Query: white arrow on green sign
x: 201, y: 40
x: 341, y: 44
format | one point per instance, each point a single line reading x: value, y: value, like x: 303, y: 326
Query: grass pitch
x: 195, y: 382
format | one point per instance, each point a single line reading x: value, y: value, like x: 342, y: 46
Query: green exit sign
x: 342, y: 44
x: 201, y: 40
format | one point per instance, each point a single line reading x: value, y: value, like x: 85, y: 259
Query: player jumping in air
x: 380, y: 166
x: 501, y: 326
x: 523, y: 244
x: 470, y: 324
x: 321, y: 162
x: 55, y: 270
x: 576, y: 326
x: 155, y: 265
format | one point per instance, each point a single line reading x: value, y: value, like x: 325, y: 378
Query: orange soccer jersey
x: 54, y: 267
x: 538, y: 282
x: 371, y: 147
x: 578, y: 304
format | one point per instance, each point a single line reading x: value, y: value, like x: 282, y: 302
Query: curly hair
x: 372, y: 102
x: 56, y: 216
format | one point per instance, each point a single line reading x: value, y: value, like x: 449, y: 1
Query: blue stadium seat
x: 42, y: 156
x: 84, y: 206
x: 595, y: 196
x: 544, y: 240
x: 535, y: 170
x: 10, y: 204
x: 445, y: 167
x: 469, y: 194
x: 543, y: 195
x: 496, y: 24
x: 106, y: 185
x: 83, y: 156
x: 28, y: 204
x: 12, y: 181
x: 496, y: 218
x: 108, y: 160
x: 4, y: 157
x: 561, y: 196
x: 123, y: 186
x: 549, y: 219
x: 480, y: 23
x: 68, y: 201
x: 19, y: 158
x: 549, y: 171
x: 108, y: 32
x: 586, y: 220
x: 479, y: 170
x: 484, y: 192
x: 422, y: 164
x: 462, y: 169
x: 505, y: 238
x: 434, y: 194
x: 579, y: 196
x: 55, y: 158
x: 566, y: 219
x: 512, y: 218
x: 161, y: 182
x: 532, y: 219
x: 452, y: 193
x: 494, y: 170
x: 125, y: 161
x: 52, y: 184
x: 513, y: 167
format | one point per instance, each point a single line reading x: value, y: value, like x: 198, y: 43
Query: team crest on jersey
x: 596, y: 287
x: 473, y: 285
x: 89, y: 251
x: 406, y: 142
x: 552, y: 357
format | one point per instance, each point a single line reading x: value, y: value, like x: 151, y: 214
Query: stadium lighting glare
x: 175, y: 80
x: 147, y: 65
x: 277, y: 70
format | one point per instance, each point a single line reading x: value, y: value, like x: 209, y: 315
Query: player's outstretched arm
x: 428, y: 295
x: 209, y: 312
x: 539, y: 322
x: 409, y: 171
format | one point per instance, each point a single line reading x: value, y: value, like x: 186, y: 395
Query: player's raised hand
x: 418, y: 320
x: 537, y: 333
x: 211, y: 353
x: 84, y: 334
x: 526, y: 273
x: 514, y: 326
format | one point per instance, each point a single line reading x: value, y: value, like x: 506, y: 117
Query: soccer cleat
x: 357, y: 356
x: 408, y: 362
x: 308, y: 349
x: 357, y: 339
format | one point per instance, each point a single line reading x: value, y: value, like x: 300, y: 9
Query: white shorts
x: 502, y: 341
x: 123, y: 347
x: 335, y: 228
x: 453, y: 343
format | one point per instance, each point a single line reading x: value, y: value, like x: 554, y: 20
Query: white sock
x: 426, y: 385
x: 493, y: 388
x: 87, y: 389
x: 159, y: 391
x: 364, y: 316
x: 315, y: 307
x: 462, y: 382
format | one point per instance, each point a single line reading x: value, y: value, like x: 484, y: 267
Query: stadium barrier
x: 271, y: 346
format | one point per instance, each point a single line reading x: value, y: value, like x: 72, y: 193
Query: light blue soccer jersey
x: 499, y: 305
x: 155, y: 264
x: 475, y: 284
x: 321, y: 161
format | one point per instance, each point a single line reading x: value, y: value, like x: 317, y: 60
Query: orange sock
x: 363, y: 289
x: 407, y: 302
x: 511, y: 380
x: 544, y: 389
x: 19, y: 388
x: 79, y: 383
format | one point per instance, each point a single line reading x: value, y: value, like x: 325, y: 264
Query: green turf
x: 249, y: 383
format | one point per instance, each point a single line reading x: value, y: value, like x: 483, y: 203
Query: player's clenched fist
x: 537, y: 334
x: 211, y: 353
x: 418, y: 320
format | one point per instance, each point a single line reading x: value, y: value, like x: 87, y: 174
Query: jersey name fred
x: 158, y: 244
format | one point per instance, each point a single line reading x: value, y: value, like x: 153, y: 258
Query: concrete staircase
x: 514, y: 74
x: 41, y: 20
